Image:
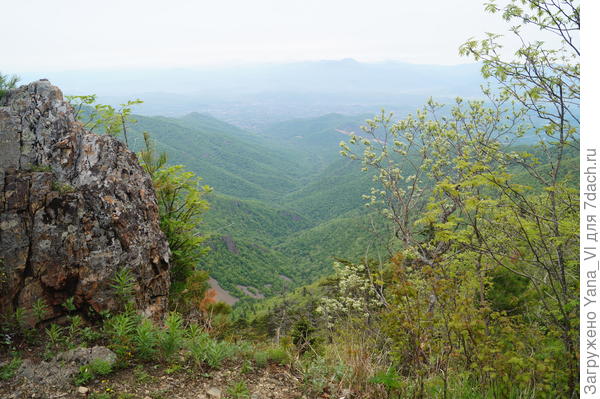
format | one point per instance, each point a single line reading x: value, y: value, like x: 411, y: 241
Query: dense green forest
x: 283, y: 199
x: 432, y: 254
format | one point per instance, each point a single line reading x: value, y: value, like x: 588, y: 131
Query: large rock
x: 75, y: 207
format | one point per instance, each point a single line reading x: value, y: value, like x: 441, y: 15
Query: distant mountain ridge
x: 254, y: 96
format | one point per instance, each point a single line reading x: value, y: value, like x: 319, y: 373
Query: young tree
x: 106, y: 118
x: 182, y: 205
x: 466, y: 207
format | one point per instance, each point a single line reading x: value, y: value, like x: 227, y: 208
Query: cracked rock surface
x: 75, y: 207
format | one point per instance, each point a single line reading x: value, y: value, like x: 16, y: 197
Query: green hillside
x: 285, y: 204
x: 226, y: 159
x: 282, y: 208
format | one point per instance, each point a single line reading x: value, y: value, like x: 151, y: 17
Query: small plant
x: 261, y: 358
x: 272, y: 355
x: 194, y: 331
x: 171, y: 338
x: 96, y: 367
x: 74, y: 329
x: 141, y: 375
x: 19, y: 317
x: 238, y: 390
x: 247, y: 367
x: 124, y: 287
x: 84, y: 376
x: 217, y: 352
x: 39, y: 310
x: 245, y: 350
x: 278, y: 355
x: 8, y: 370
x: 6, y: 83
x: 303, y: 335
x: 89, y: 335
x: 62, y: 188
x: 206, y: 350
x: 69, y: 305
x: 389, y: 379
x: 197, y: 347
x: 145, y: 339
x: 121, y: 328
x: 172, y: 369
x: 317, y: 374
x: 55, y: 335
x: 41, y: 168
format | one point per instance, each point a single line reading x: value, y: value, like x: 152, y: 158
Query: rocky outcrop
x: 230, y: 244
x: 60, y: 370
x: 75, y: 207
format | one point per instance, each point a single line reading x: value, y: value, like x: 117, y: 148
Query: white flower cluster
x: 354, y: 294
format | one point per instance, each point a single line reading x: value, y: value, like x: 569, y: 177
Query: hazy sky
x: 43, y: 35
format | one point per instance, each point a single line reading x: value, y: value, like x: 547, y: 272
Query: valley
x: 285, y: 203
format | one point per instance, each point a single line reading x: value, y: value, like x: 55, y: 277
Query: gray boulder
x: 75, y: 207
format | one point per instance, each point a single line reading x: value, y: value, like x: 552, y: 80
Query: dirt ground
x: 162, y: 382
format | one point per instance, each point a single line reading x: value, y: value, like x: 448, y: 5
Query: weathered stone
x: 75, y: 207
x: 214, y: 393
x: 60, y: 371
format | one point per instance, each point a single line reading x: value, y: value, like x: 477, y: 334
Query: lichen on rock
x: 75, y: 207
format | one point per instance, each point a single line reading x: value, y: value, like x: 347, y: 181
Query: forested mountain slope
x: 284, y: 205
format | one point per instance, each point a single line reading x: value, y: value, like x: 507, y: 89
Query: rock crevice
x: 75, y: 207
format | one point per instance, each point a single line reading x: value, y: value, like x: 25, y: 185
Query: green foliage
x: 120, y: 328
x: 171, y: 337
x: 62, y: 188
x: 205, y: 350
x: 389, y: 379
x: 55, y: 335
x: 69, y: 305
x: 106, y: 118
x: 303, y: 335
x: 317, y: 374
x: 9, y: 368
x: 74, y: 329
x: 88, y: 372
x: 182, y: 205
x: 123, y: 285
x: 39, y: 310
x: 19, y: 318
x: 486, y: 281
x: 145, y: 339
x: 238, y: 390
x: 277, y: 355
x: 6, y: 83
x: 261, y: 358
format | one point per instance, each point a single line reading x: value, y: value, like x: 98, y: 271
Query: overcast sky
x: 43, y: 35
